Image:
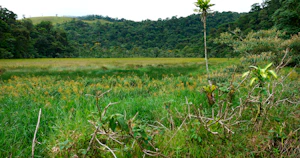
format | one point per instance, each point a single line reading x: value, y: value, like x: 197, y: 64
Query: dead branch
x: 153, y: 153
x: 188, y: 104
x: 162, y: 125
x: 282, y: 63
x: 177, y: 130
x: 102, y: 94
x: 35, y: 132
x: 92, y: 140
x: 105, y: 109
x: 112, y: 152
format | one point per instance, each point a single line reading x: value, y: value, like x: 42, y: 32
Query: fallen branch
x: 177, y: 130
x: 105, y: 109
x: 91, y: 141
x: 112, y: 152
x: 35, y: 132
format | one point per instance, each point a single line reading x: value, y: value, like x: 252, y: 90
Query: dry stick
x: 101, y: 95
x: 177, y: 129
x: 189, y: 110
x: 105, y: 109
x: 205, y: 123
x: 178, y: 113
x: 106, y: 147
x: 95, y: 132
x: 36, y: 129
x: 91, y: 141
x: 115, y: 140
x: 162, y: 125
x: 153, y: 153
x: 282, y: 63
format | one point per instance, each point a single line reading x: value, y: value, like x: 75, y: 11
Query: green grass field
x: 166, y: 125
x: 58, y: 20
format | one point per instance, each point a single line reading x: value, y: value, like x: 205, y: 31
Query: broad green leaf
x: 213, y: 88
x: 122, y: 124
x: 246, y: 74
x: 271, y: 131
x: 253, y: 80
x: 269, y: 65
x: 253, y: 67
x: 112, y: 124
x: 273, y: 73
x: 206, y: 88
x: 263, y: 75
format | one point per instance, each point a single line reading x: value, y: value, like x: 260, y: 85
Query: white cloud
x: 128, y: 9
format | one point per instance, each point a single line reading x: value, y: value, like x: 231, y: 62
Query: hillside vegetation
x: 59, y: 20
x: 53, y: 19
x: 98, y: 36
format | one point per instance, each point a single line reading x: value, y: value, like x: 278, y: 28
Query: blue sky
x: 136, y: 10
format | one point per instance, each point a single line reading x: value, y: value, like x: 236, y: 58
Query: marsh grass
x: 64, y: 89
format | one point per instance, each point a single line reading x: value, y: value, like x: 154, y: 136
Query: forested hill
x: 98, y: 36
x: 168, y: 34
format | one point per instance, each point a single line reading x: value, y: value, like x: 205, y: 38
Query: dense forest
x: 174, y: 37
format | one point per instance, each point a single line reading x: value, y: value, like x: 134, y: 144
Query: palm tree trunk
x: 205, y: 50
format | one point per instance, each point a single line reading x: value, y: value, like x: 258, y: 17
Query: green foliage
x: 21, y: 39
x: 261, y: 46
x: 171, y: 37
x: 174, y: 37
x: 294, y: 52
x: 287, y: 17
x: 51, y: 42
x: 203, y: 7
x: 260, y: 75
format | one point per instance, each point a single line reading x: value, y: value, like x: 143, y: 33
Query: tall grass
x: 64, y: 90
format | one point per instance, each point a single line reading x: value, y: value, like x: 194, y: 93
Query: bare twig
x: 152, y: 153
x: 134, y: 116
x: 92, y: 140
x: 105, y: 109
x: 162, y: 125
x: 189, y: 110
x: 115, y: 140
x: 177, y: 130
x: 112, y: 152
x: 35, y: 132
x: 101, y: 95
x: 95, y: 132
x: 282, y: 63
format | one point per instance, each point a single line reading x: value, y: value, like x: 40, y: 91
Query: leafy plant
x: 209, y: 93
x: 260, y: 75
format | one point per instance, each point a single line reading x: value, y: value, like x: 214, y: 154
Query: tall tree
x: 287, y: 17
x: 7, y: 22
x: 204, y: 8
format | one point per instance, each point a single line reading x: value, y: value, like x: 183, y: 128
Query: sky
x: 136, y: 10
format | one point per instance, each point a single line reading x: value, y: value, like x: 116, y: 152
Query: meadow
x: 59, y: 20
x: 144, y: 107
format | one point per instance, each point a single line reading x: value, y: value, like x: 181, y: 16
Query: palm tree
x: 203, y: 8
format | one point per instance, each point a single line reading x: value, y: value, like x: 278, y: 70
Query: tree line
x: 22, y: 39
x: 171, y: 37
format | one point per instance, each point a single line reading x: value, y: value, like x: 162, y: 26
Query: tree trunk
x: 205, y: 49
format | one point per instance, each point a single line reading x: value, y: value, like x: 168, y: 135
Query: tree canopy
x: 99, y: 36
